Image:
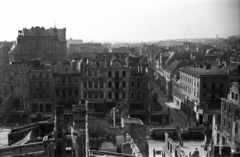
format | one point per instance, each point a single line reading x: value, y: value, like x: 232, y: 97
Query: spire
x: 54, y: 24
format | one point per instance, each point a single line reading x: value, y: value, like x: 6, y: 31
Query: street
x: 179, y: 119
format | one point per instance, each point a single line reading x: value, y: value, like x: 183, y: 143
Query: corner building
x: 202, y: 86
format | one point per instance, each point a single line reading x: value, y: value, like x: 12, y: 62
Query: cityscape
x: 65, y: 96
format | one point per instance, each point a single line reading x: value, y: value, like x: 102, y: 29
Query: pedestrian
x: 188, y: 118
x: 190, y: 154
x: 171, y: 120
x: 182, y: 143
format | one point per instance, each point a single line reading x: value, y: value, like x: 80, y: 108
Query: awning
x: 24, y: 140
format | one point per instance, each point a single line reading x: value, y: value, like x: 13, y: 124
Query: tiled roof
x: 177, y: 64
x: 173, y: 66
x: 197, y: 71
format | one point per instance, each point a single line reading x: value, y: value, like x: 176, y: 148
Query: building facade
x: 227, y: 132
x: 202, y: 87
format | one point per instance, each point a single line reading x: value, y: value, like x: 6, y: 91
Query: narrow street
x: 178, y: 119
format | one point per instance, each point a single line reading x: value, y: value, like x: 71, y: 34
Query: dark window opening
x: 124, y: 73
x: 76, y: 92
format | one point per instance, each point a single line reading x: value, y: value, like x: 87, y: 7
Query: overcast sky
x: 123, y: 20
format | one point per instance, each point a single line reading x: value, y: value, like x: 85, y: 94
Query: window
x: 236, y: 96
x: 95, y: 84
x: 213, y: 85
x: 40, y: 85
x: 47, y: 95
x: 232, y: 95
x: 76, y: 92
x: 225, y: 106
x: 109, y: 84
x: 85, y: 95
x: 138, y: 95
x: 144, y: 95
x: 204, y: 85
x: 132, y: 84
x: 76, y: 80
x: 123, y: 95
x: 109, y: 74
x: 229, y: 124
x: 90, y: 95
x: 63, y: 80
x: 101, y: 84
x: 96, y: 95
x: 34, y: 107
x: 34, y: 95
x: 95, y: 73
x: 57, y: 93
x: 116, y: 74
x: 41, y: 107
x: 124, y: 84
x: 89, y: 73
x: 84, y: 84
x: 123, y: 73
x: 110, y: 95
x: 132, y: 95
x: 40, y: 95
x: 221, y: 85
x: 138, y: 84
x: 40, y: 75
x: 47, y: 84
x: 213, y: 96
x: 69, y: 79
x: 48, y: 107
x: 89, y: 84
x: 101, y: 94
x: 47, y: 75
x: 70, y: 93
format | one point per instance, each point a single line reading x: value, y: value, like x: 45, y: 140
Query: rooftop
x: 202, y: 71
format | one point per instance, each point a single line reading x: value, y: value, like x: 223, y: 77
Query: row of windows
x: 116, y: 84
x: 230, y: 109
x: 65, y: 93
x: 190, y: 90
x: 138, y: 84
x: 40, y: 85
x: 41, y: 75
x: 41, y: 107
x: 117, y: 74
x: 138, y: 95
x: 189, y: 79
x: 212, y: 96
x: 91, y: 95
x: 93, y: 84
x: 66, y: 80
x: 213, y: 85
x: 92, y: 73
x: 41, y: 95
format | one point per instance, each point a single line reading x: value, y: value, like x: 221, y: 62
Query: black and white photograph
x: 120, y: 78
